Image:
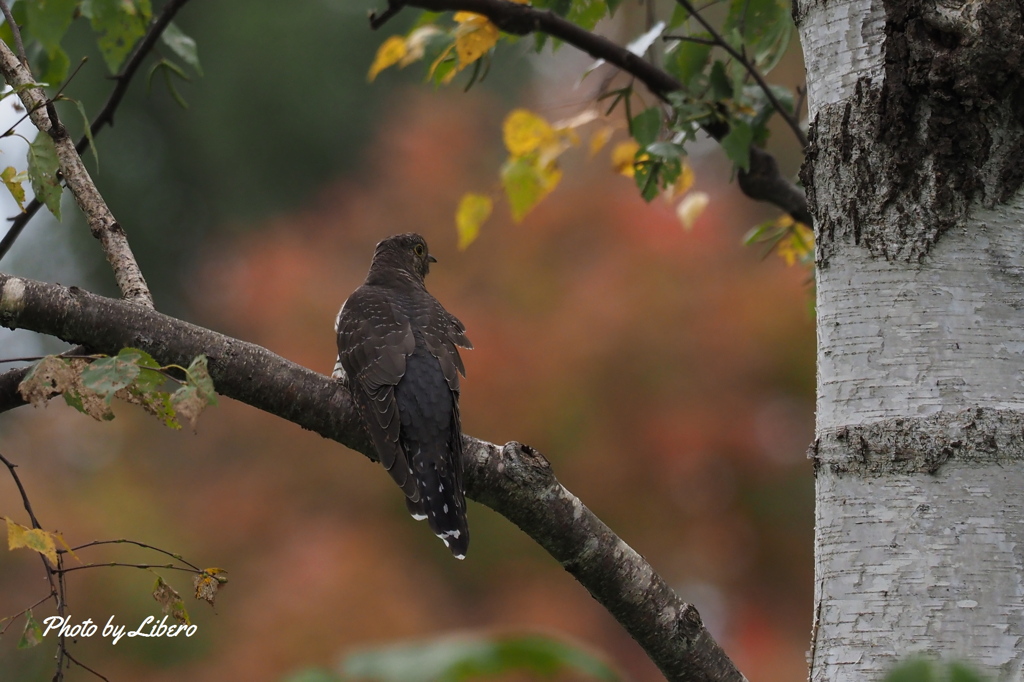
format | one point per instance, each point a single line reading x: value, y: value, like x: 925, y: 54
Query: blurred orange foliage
x: 667, y: 375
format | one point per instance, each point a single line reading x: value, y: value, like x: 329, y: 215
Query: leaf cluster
x: 721, y: 91
x: 90, y: 385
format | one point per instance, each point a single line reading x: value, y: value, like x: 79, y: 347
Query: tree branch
x: 101, y: 221
x: 514, y: 480
x: 517, y: 19
x: 106, y: 115
x: 15, y: 32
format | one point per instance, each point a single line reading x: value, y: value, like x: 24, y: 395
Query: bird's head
x: 405, y: 252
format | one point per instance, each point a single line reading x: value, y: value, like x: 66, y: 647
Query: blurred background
x: 667, y: 375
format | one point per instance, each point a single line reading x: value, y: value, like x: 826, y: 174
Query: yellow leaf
x: 599, y: 139
x: 525, y: 131
x: 33, y: 538
x: 67, y: 548
x: 470, y: 18
x: 473, y: 211
x: 389, y: 53
x: 624, y: 156
x: 12, y: 179
x: 690, y: 208
x: 784, y: 220
x: 798, y: 245
x: 474, y: 38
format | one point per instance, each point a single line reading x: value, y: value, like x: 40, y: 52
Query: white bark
x: 910, y: 340
x: 919, y: 457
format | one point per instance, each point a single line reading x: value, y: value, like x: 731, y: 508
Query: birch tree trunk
x: 914, y: 176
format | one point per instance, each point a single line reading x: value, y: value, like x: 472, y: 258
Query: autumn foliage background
x: 667, y: 375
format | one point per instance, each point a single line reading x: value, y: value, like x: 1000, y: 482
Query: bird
x: 398, y: 354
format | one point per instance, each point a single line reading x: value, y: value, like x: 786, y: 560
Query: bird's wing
x: 374, y: 339
x: 442, y: 333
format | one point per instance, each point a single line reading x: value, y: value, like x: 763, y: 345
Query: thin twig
x: 11, y: 466
x: 40, y: 357
x: 106, y: 115
x: 15, y: 31
x: 751, y: 69
x: 56, y: 586
x: 62, y: 645
x: 378, y: 20
x: 25, y: 610
x: 172, y: 567
x: 125, y: 541
x: 84, y: 666
x: 691, y: 39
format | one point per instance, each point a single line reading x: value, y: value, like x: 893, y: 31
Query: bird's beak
x: 431, y: 259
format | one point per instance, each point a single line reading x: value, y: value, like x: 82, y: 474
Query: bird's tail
x: 442, y: 503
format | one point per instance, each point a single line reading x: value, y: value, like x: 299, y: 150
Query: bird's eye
x: 418, y: 250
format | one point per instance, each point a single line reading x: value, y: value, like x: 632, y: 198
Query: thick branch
x: 101, y: 221
x: 517, y: 19
x: 514, y: 480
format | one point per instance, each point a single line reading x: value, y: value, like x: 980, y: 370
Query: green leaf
x: 737, y: 143
x: 645, y: 126
x: 109, y: 375
x: 721, y: 85
x: 42, y: 172
x: 688, y: 60
x: 961, y: 672
x: 586, y: 13
x: 54, y: 66
x: 139, y: 357
x: 914, y: 671
x: 48, y: 20
x: 679, y: 16
x: 559, y: 7
x: 758, y: 232
x: 169, y: 68
x: 182, y: 45
x: 456, y: 659
x: 767, y: 26
x: 32, y: 635
x: 120, y: 24
x: 647, y: 175
x: 525, y: 184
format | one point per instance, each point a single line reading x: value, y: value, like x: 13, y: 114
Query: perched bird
x: 397, y: 352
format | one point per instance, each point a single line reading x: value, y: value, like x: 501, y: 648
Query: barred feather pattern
x: 398, y: 353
